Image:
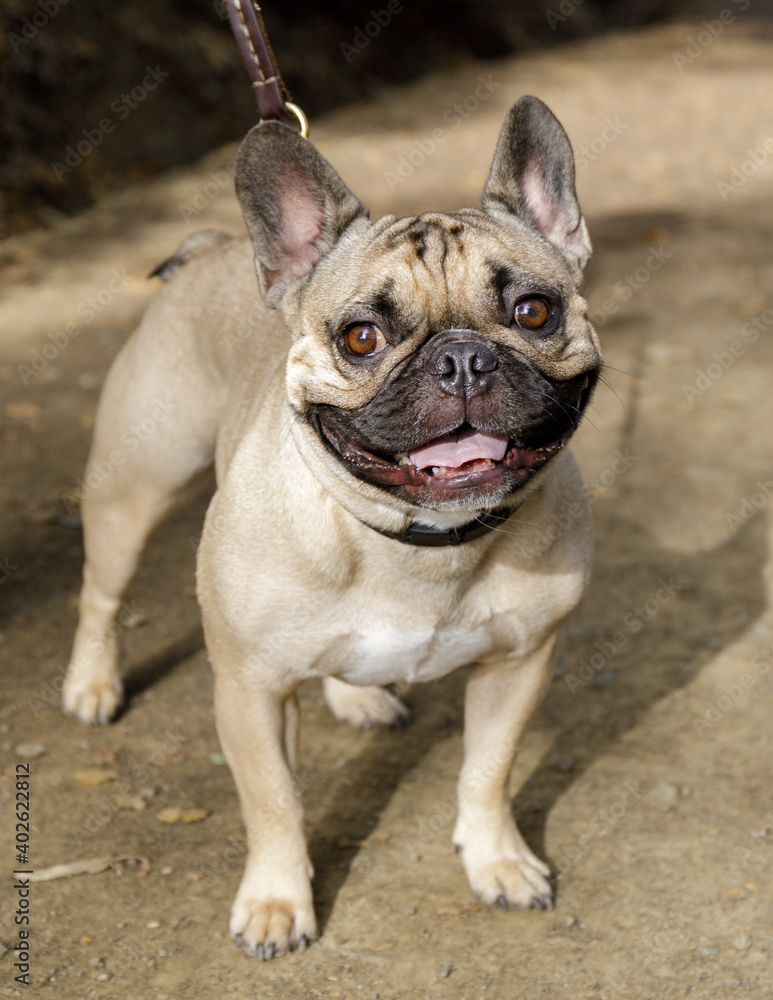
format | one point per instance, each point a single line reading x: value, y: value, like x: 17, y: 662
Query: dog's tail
x: 191, y: 247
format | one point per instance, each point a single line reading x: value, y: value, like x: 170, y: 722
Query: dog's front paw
x: 512, y: 883
x: 268, y: 927
x: 90, y: 700
x: 364, y: 707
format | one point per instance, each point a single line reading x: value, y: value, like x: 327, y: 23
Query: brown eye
x: 364, y: 339
x: 533, y: 314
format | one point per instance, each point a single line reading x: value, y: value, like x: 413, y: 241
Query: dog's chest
x: 385, y: 653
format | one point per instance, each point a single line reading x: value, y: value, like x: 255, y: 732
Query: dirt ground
x: 645, y: 776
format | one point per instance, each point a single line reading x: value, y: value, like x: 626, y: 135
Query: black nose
x: 462, y: 367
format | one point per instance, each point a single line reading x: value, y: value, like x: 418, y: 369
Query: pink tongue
x: 455, y: 449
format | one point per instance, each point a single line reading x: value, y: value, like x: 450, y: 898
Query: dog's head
x: 443, y: 359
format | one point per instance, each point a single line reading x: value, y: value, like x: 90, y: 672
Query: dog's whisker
x: 615, y: 393
x: 622, y: 371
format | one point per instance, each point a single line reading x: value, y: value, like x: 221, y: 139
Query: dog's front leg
x: 499, y: 701
x: 273, y: 910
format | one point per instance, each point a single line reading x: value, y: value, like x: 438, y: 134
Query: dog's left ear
x: 532, y: 176
x: 295, y: 205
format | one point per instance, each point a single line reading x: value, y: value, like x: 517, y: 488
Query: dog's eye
x: 363, y: 339
x: 533, y: 313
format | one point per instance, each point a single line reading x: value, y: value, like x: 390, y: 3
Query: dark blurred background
x: 66, y: 67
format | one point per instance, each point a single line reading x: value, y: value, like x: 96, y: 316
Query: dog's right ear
x: 295, y: 205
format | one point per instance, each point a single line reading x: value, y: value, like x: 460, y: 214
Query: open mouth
x: 446, y: 466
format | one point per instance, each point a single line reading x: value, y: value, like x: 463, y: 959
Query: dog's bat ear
x: 295, y: 205
x: 532, y: 176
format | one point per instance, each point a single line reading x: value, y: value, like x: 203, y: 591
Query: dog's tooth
x: 437, y: 468
x: 403, y: 460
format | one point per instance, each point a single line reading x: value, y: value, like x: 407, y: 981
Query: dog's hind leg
x: 364, y: 707
x: 115, y: 533
x: 152, y: 451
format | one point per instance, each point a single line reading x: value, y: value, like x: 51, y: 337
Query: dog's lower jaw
x: 482, y: 484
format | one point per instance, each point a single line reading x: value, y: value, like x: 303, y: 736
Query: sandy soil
x: 645, y: 776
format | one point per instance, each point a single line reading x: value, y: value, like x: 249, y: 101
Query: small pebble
x: 445, y: 971
x: 662, y: 796
x: 93, y: 776
x: 29, y: 751
x: 153, y: 925
x: 707, y: 952
x: 732, y: 984
x: 171, y: 814
x: 166, y: 871
x: 742, y: 942
x: 569, y: 921
x: 195, y: 815
x: 409, y: 911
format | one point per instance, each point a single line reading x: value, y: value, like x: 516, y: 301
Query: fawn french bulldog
x: 387, y: 410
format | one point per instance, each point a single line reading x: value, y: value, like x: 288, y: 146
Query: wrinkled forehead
x: 439, y: 269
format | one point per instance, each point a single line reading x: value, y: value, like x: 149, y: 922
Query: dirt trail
x: 645, y: 777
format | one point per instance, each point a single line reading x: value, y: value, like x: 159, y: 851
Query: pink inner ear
x: 300, y: 227
x: 550, y: 219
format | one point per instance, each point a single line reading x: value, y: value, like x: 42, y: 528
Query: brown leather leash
x: 271, y: 94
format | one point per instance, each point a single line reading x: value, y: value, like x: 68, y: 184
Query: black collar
x: 437, y: 537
